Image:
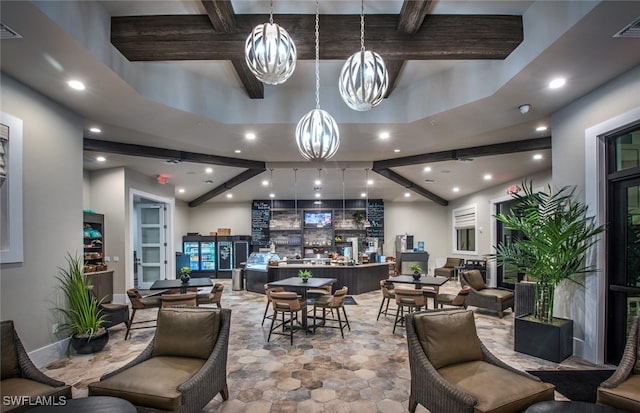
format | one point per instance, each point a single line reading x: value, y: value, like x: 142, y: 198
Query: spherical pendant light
x: 270, y: 53
x: 363, y: 79
x: 317, y: 135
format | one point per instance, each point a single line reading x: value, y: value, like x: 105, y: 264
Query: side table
x: 556, y: 406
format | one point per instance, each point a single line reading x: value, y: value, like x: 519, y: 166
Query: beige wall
x: 209, y: 217
x: 52, y: 208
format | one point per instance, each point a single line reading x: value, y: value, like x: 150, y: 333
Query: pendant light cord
x: 271, y: 13
x: 344, y: 214
x: 317, y: 55
x: 362, y: 26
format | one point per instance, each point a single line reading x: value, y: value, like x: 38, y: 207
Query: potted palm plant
x: 84, y: 319
x: 557, y: 234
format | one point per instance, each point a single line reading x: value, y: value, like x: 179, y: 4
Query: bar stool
x: 285, y: 302
x: 267, y: 292
x: 388, y: 294
x: 330, y: 302
x: 411, y: 299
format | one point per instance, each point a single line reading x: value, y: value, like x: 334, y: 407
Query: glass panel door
x: 151, y: 244
x: 507, y: 279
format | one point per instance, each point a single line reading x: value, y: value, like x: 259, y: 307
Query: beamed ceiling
x: 168, y: 85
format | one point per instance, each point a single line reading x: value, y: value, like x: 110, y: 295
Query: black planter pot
x: 84, y: 345
x: 185, y: 278
x: 416, y: 275
x: 553, y: 342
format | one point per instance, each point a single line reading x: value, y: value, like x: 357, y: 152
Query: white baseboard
x: 50, y: 353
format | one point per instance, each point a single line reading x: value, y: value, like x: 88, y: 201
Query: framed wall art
x: 11, y: 235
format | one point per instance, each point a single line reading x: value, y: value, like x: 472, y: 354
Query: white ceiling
x: 202, y: 107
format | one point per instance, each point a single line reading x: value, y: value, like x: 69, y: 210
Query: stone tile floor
x: 367, y: 371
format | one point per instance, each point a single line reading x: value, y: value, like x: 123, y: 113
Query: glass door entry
x: 151, y: 258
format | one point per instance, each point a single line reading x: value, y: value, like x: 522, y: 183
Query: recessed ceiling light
x: 363, y: 194
x: 265, y: 183
x: 557, y: 83
x: 456, y: 189
x: 209, y: 170
x: 76, y: 84
x: 229, y: 195
x: 541, y: 128
x: 487, y: 177
x: 370, y: 182
x: 250, y: 136
x: 237, y: 151
x: 101, y: 159
x: 272, y: 195
x: 95, y: 130
x: 407, y: 194
x: 427, y: 169
x: 384, y: 135
x: 181, y: 190
x: 537, y: 156
x: 396, y: 150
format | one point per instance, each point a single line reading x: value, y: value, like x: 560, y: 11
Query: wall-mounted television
x: 317, y: 219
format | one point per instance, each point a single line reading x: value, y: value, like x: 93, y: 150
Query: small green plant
x: 416, y: 268
x: 185, y: 270
x: 305, y: 274
x: 83, y: 316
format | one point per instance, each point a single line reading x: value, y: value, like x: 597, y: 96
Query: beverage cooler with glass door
x: 202, y: 254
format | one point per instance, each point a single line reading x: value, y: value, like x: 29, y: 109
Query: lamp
x: 317, y: 134
x: 363, y: 79
x: 270, y: 52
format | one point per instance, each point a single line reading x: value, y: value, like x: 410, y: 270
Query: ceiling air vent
x: 7, y: 32
x: 630, y: 30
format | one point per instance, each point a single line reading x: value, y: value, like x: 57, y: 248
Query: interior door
x: 151, y: 248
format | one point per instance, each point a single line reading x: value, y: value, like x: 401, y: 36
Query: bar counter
x: 359, y: 278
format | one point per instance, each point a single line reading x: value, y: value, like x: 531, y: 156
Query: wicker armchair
x: 181, y: 370
x: 452, y: 371
x: 480, y: 296
x: 622, y: 389
x: 20, y: 377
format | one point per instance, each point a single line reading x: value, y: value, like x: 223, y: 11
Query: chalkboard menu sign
x: 260, y: 211
x: 375, y: 213
x: 225, y: 254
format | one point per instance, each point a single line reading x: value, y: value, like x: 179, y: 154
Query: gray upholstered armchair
x: 182, y: 369
x: 448, y: 270
x: 622, y: 389
x: 452, y: 371
x: 480, y: 296
x: 20, y: 377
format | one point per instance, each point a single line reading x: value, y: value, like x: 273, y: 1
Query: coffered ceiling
x: 165, y: 80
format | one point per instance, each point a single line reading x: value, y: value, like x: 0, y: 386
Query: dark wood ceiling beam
x: 472, y: 152
x: 412, y: 15
x: 223, y: 19
x: 162, y: 153
x: 401, y: 180
x: 393, y: 69
x: 235, y: 181
x: 191, y: 37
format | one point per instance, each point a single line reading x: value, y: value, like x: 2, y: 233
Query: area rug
x: 580, y: 385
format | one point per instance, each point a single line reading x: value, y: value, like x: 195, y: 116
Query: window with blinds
x: 464, y: 227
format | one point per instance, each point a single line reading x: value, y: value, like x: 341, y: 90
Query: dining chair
x: 267, y: 292
x: 388, y: 294
x: 285, y: 303
x: 214, y: 296
x: 187, y: 299
x: 331, y: 302
x: 410, y: 299
x: 138, y: 302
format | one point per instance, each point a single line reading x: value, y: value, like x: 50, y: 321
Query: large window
x: 464, y: 226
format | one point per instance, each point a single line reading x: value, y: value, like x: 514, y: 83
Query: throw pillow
x: 475, y: 280
x: 186, y: 332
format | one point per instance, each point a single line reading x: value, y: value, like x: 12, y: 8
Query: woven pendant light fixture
x: 270, y: 52
x: 363, y: 79
x: 317, y: 134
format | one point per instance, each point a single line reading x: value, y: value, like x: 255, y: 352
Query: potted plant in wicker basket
x: 84, y: 319
x: 557, y: 234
